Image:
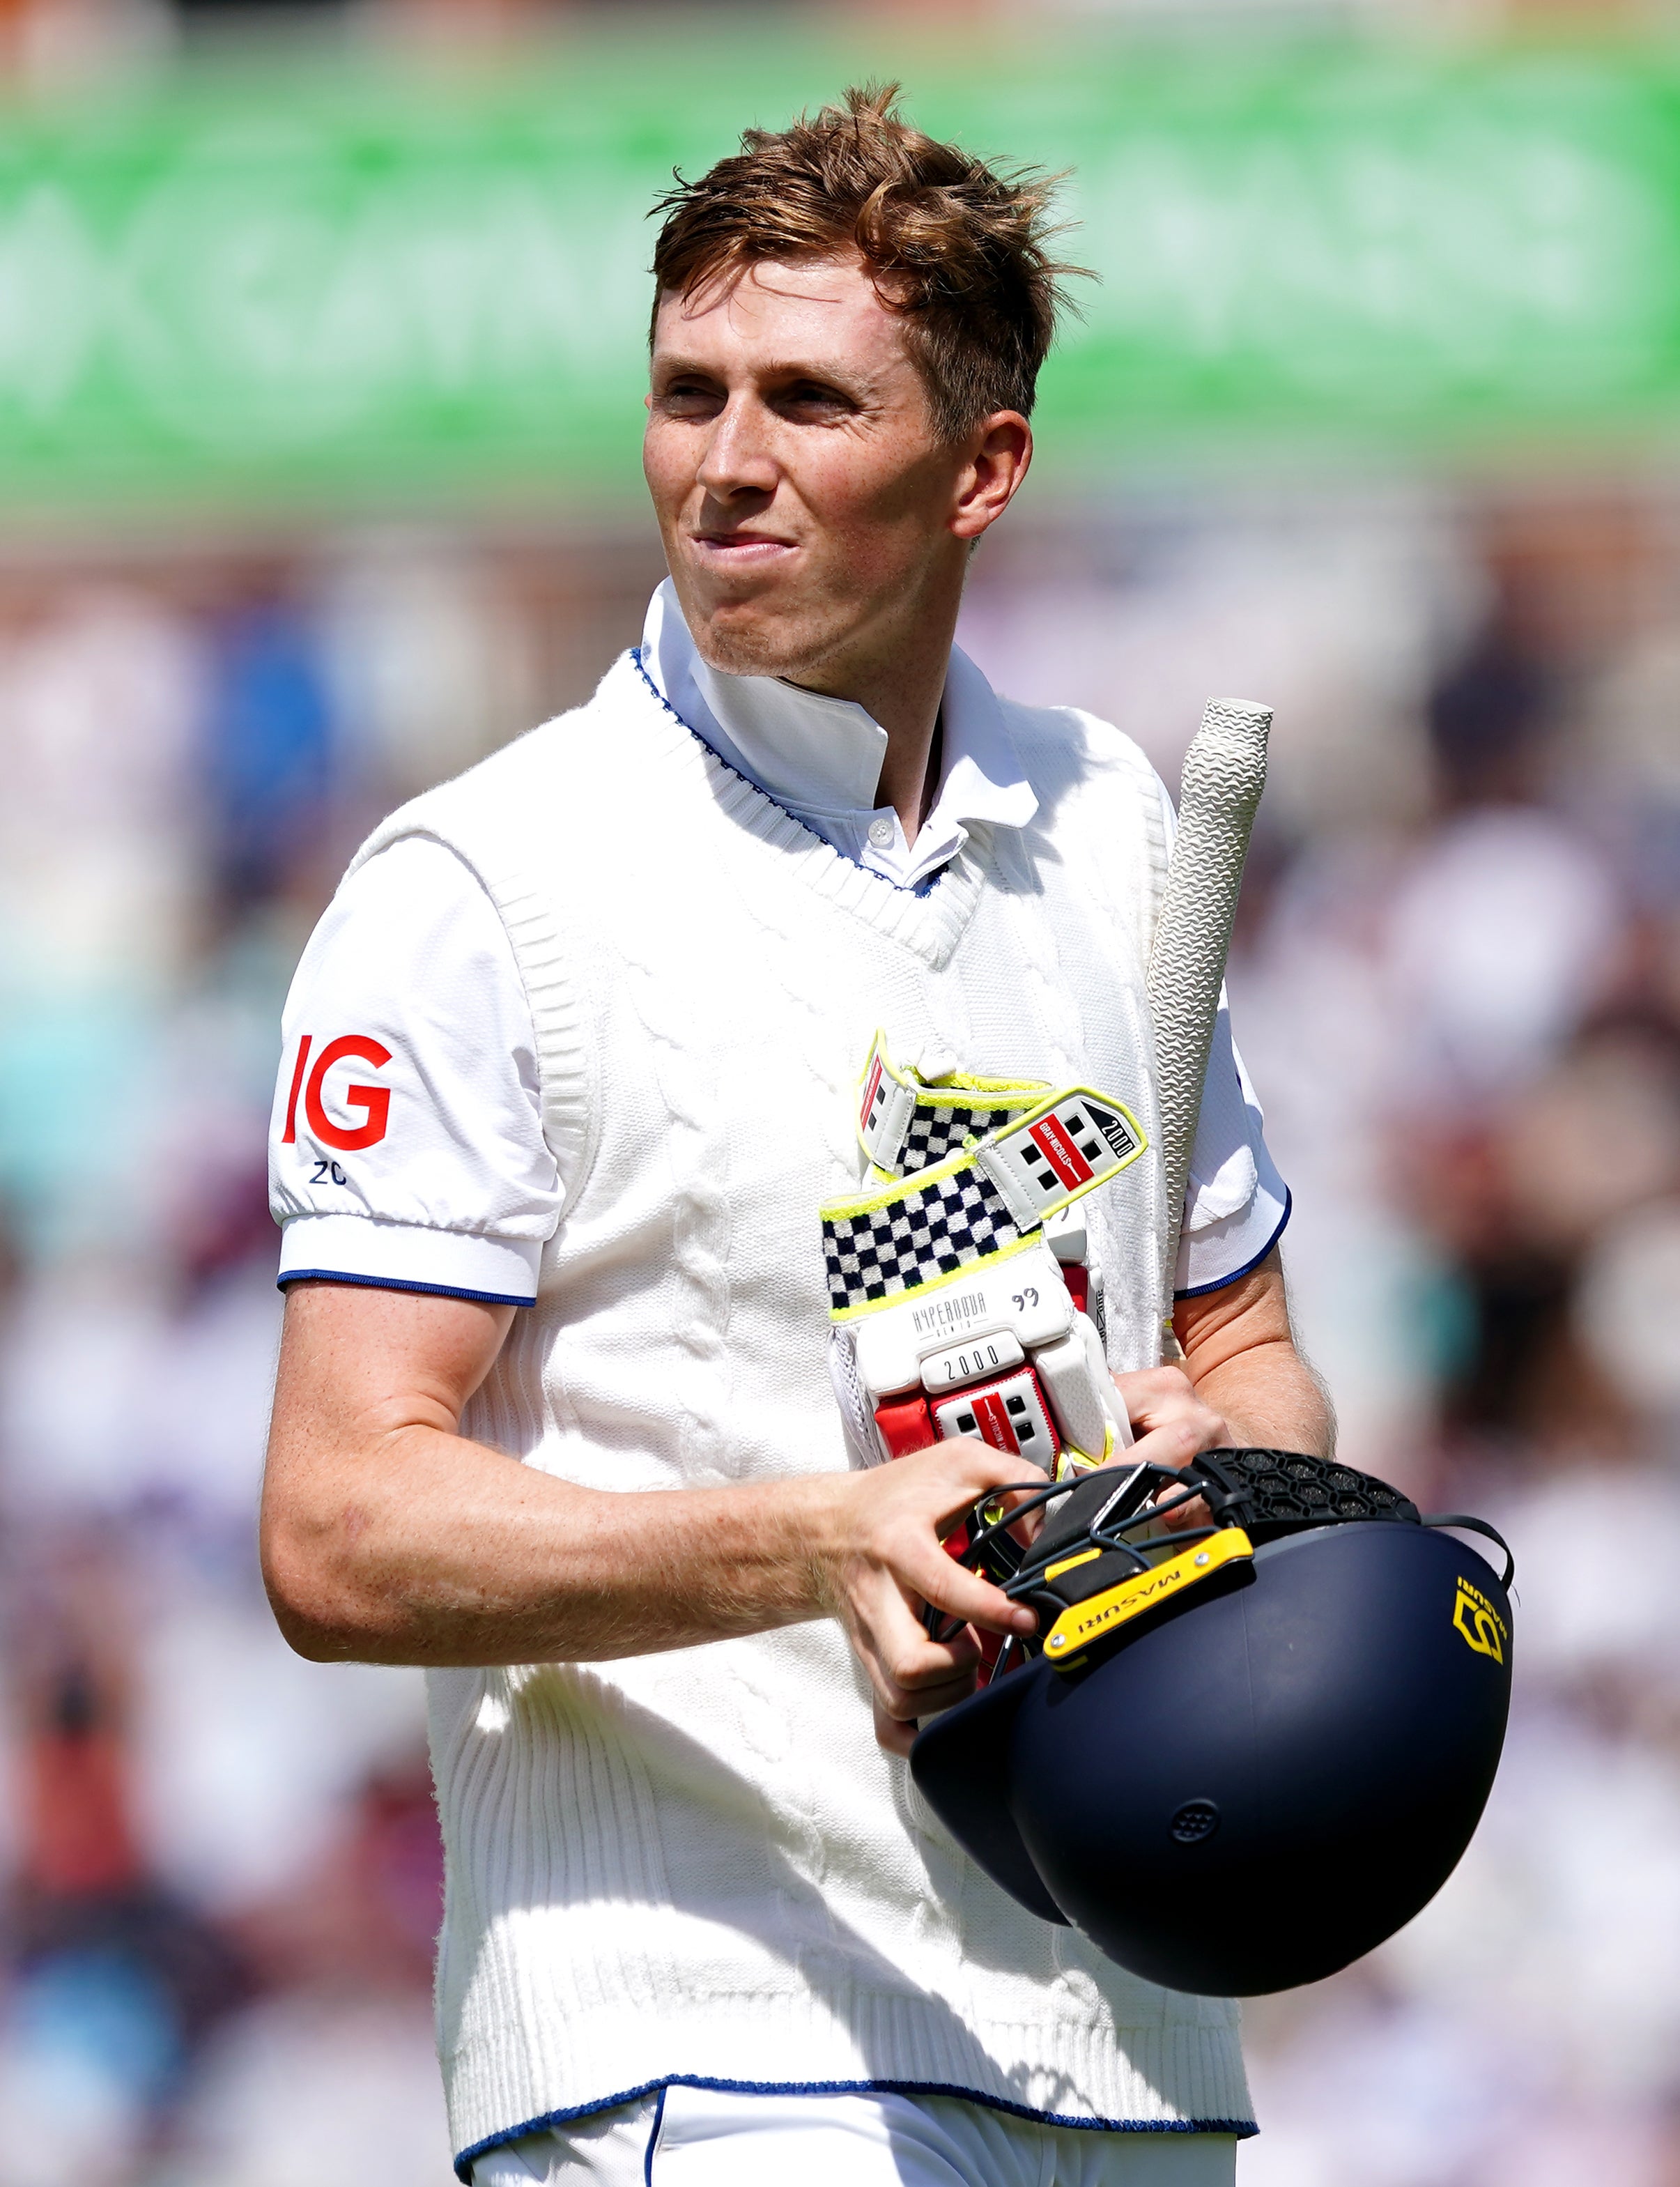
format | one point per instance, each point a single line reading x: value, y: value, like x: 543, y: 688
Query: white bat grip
x: 1224, y: 774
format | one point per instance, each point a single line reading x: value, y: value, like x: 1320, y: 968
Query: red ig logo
x: 373, y: 1101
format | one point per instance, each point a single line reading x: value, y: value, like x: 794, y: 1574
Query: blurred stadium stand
x: 320, y: 340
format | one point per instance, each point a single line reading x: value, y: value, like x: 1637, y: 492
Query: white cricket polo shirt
x: 407, y: 1146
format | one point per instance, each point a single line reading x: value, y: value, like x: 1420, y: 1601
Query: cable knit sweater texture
x: 698, y: 1866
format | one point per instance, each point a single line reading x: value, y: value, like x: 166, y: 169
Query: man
x: 569, y: 1066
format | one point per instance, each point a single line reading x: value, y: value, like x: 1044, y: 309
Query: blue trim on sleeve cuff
x: 1242, y: 2128
x: 1201, y: 1290
x: 398, y: 1283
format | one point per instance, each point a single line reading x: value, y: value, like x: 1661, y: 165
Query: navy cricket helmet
x: 1239, y: 1756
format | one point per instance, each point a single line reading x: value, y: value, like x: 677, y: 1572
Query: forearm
x: 389, y: 1538
x: 1270, y: 1397
x: 1240, y: 1353
x: 433, y: 1549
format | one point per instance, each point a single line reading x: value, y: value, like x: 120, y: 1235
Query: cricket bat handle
x: 1224, y: 774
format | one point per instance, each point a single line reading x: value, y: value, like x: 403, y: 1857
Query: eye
x: 684, y: 397
x: 811, y: 398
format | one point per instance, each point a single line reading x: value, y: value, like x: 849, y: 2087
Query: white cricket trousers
x: 705, y: 2138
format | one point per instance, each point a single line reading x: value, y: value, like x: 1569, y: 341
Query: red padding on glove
x: 905, y: 1425
x: 1077, y: 1278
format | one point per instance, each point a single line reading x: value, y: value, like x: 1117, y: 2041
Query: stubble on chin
x: 758, y: 640
x: 740, y: 646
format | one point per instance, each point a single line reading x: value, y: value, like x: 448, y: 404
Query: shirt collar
x: 821, y: 757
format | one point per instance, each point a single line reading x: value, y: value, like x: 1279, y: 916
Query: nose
x: 738, y: 459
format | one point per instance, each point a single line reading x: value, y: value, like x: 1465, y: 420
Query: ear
x: 999, y: 452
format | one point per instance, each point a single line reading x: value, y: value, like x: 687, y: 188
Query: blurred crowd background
x: 1457, y: 987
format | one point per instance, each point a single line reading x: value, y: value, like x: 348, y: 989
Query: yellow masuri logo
x: 1480, y: 1623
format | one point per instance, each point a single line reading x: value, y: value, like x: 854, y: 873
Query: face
x: 811, y: 520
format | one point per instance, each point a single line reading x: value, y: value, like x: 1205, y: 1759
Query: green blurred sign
x: 330, y: 285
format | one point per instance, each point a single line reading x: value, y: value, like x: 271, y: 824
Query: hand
x: 880, y: 1556
x: 1157, y: 1397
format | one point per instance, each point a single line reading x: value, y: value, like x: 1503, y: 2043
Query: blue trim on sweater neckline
x: 653, y: 2140
x: 922, y: 888
x: 1242, y: 2128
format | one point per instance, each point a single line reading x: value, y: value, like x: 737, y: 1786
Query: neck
x: 900, y: 685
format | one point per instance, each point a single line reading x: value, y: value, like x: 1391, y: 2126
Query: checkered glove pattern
x: 934, y: 1134
x: 971, y: 1168
x: 926, y: 1232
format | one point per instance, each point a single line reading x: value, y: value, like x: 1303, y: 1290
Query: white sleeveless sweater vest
x: 699, y: 1865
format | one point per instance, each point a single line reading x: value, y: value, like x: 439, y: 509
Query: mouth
x: 741, y: 550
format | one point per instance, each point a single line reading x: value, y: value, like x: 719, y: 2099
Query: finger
x: 914, y: 1677
x: 896, y: 1651
x: 1210, y: 1426
x: 951, y: 1587
x: 1153, y: 1385
x: 1193, y: 1514
x: 904, y: 1704
x: 1153, y: 1395
x: 1174, y: 1443
x: 910, y: 1666
x: 985, y: 1509
x: 920, y: 1682
x: 1021, y: 1483
x: 892, y: 1736
x: 1170, y: 1446
x: 911, y: 1663
x: 965, y: 1468
x: 1211, y: 1431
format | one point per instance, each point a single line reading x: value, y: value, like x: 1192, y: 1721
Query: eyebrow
x: 778, y: 369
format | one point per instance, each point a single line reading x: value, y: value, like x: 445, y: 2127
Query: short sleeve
x: 1236, y: 1204
x: 406, y: 1149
